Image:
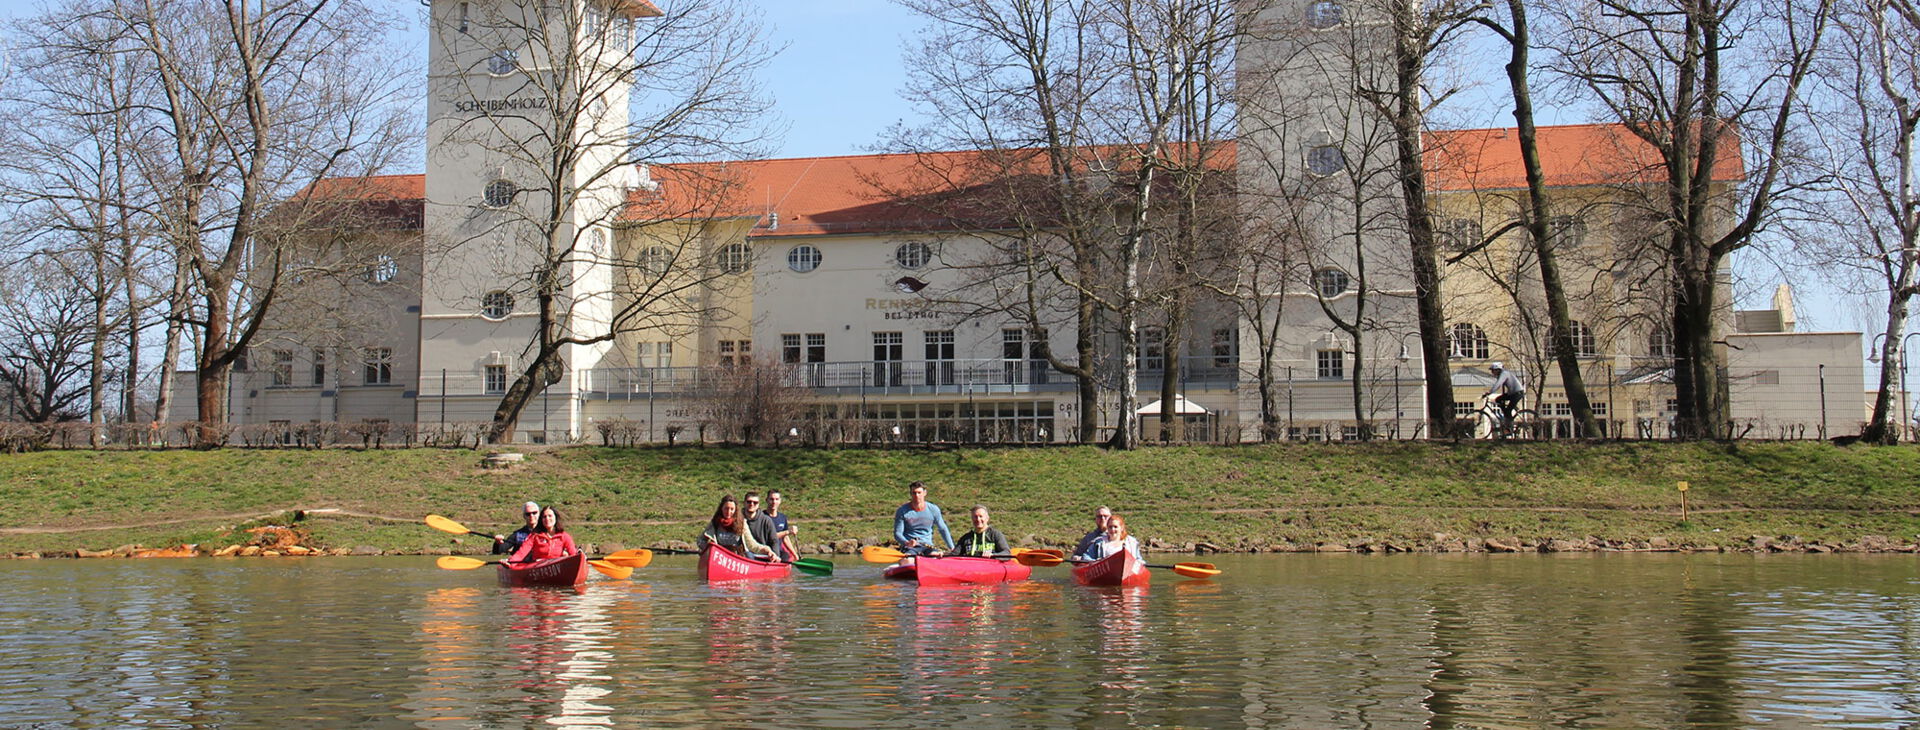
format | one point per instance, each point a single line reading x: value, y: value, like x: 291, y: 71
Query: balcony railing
x: 883, y: 377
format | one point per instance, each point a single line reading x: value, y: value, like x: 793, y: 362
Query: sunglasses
x: 753, y: 501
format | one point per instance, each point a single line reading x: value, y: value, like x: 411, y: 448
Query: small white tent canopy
x: 1181, y: 406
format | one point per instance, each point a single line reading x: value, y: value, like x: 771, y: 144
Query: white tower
x: 526, y: 172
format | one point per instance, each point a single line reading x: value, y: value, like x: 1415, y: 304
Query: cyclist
x: 1506, y: 392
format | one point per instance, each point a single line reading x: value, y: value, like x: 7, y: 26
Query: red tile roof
x: 876, y: 193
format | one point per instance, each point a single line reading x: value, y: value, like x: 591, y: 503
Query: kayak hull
x: 958, y: 570
x: 718, y: 564
x: 1121, y: 569
x: 562, y: 572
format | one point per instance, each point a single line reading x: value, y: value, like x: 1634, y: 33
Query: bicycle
x: 1490, y: 422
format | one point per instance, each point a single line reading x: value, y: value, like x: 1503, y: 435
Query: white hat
x: 1495, y: 366
x: 531, y: 507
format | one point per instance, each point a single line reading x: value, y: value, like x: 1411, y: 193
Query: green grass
x: 1298, y: 494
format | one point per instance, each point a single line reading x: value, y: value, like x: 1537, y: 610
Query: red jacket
x: 544, y: 546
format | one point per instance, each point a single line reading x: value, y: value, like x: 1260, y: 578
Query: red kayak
x: 568, y: 571
x: 1119, y: 569
x: 720, y: 564
x: 953, y: 570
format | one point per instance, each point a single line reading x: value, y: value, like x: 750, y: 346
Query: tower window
x: 496, y: 305
x: 912, y: 255
x: 464, y: 9
x: 383, y: 270
x: 1331, y: 282
x: 735, y: 258
x: 1325, y: 159
x: 503, y: 62
x: 499, y: 193
x: 1325, y: 14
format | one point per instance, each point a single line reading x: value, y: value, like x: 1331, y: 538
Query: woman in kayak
x: 728, y: 529
x: 547, y: 541
x: 1118, y: 539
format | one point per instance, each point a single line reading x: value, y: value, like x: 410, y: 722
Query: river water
x: 1307, y: 641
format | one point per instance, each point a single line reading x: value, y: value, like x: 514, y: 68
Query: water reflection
x: 1293, y: 641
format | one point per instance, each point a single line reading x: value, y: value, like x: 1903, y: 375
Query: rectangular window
x: 1226, y: 346
x: 1460, y: 233
x: 1349, y: 433
x: 735, y: 353
x: 1293, y: 433
x: 656, y: 354
x: 379, y: 361
x: 1568, y: 231
x: 888, y: 351
x: 816, y: 347
x: 939, y: 351
x: 1020, y: 352
x: 1332, y: 364
x: 1599, y: 408
x: 463, y: 16
x: 1464, y: 408
x: 1153, y: 349
x: 319, y: 367
x: 496, y: 380
x: 790, y: 349
x: 282, y: 368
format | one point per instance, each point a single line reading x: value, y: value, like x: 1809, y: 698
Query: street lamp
x: 1906, y: 398
x: 1401, y: 360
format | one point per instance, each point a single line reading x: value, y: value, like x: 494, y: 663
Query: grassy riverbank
x: 1324, y: 496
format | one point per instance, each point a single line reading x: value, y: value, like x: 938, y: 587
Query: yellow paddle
x: 879, y: 554
x: 1190, y: 570
x: 620, y: 567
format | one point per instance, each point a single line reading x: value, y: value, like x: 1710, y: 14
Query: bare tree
x: 1869, y: 108
x: 599, y: 91
x: 1537, y: 214
x: 756, y: 402
x: 1701, y: 82
x: 243, y: 104
x: 45, y: 329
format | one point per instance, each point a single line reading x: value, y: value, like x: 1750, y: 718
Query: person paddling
x: 507, y: 545
x: 783, y: 531
x: 984, y: 541
x: 914, y: 522
x: 761, y: 526
x: 547, y: 542
x: 1116, y: 540
x: 728, y: 529
x: 1100, y: 516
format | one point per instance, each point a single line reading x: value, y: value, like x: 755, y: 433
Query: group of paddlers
x: 768, y: 535
x: 916, y: 522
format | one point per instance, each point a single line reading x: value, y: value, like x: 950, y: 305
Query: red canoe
x: 720, y: 564
x: 957, y: 569
x: 568, y: 571
x: 1119, y: 569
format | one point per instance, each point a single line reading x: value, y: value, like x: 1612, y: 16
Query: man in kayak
x: 761, y: 525
x: 1100, y: 517
x: 914, y: 522
x: 783, y: 531
x: 984, y: 541
x: 507, y: 545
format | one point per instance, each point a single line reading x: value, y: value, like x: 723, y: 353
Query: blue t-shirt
x: 779, y: 522
x: 910, y: 524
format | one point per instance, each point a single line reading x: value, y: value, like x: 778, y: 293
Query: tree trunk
x: 1539, y: 218
x: 1171, y: 420
x: 1892, y: 355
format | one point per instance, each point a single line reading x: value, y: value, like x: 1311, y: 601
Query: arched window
x: 503, y: 62
x: 499, y: 193
x: 1660, y: 343
x: 912, y: 255
x: 1325, y: 14
x: 655, y: 260
x: 1466, y: 341
x: 1584, y: 343
x: 1331, y: 282
x: 736, y: 258
x: 496, y: 304
x: 803, y: 258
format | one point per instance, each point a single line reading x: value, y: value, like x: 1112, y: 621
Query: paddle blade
x: 455, y: 562
x: 814, y: 566
x: 879, y: 554
x: 445, y: 525
x: 1038, y: 559
x: 1196, y: 570
x: 630, y: 561
x: 637, y: 553
x: 1040, y: 551
x: 610, y: 570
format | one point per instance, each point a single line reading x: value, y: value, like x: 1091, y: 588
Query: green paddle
x: 814, y: 566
